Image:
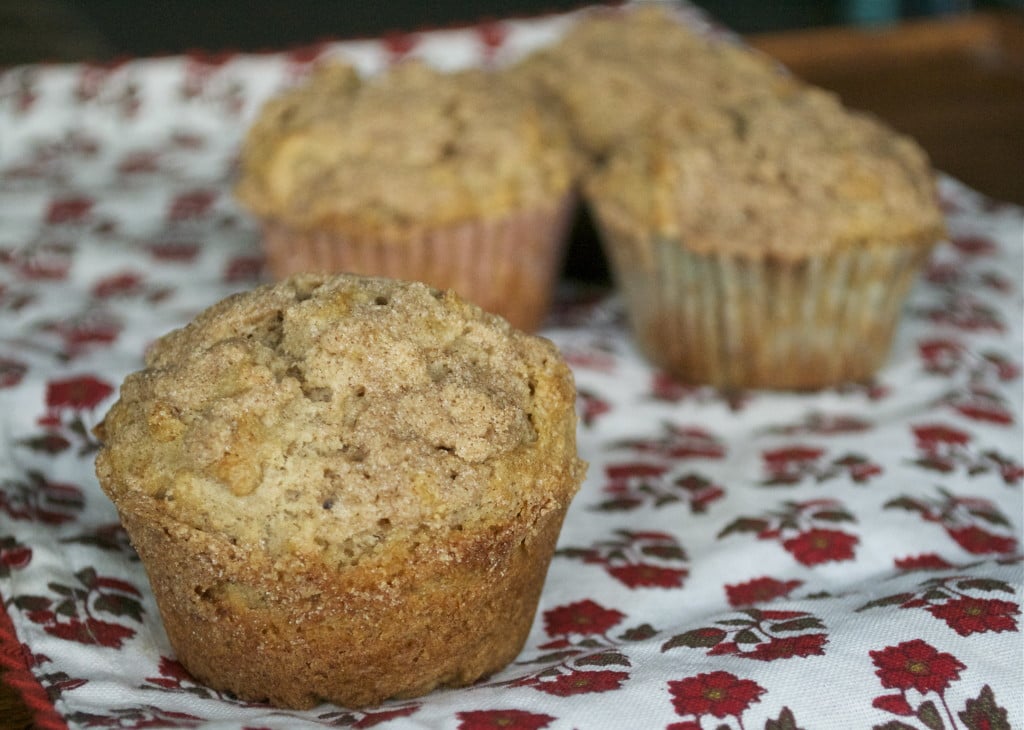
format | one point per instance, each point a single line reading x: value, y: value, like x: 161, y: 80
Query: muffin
x: 456, y: 179
x: 344, y: 488
x: 616, y: 69
x: 767, y: 243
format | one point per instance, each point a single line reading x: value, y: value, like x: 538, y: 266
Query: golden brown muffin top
x: 333, y: 416
x: 616, y: 69
x: 410, y: 147
x: 783, y: 176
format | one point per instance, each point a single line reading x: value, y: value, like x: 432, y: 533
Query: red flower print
x: 943, y: 273
x: 861, y: 471
x: 400, y: 45
x: 759, y: 635
x: 974, y: 245
x: 173, y: 251
x: 916, y: 665
x: 583, y: 617
x: 984, y: 713
x: 172, y: 674
x: 690, y: 443
x: 242, y: 268
x: 631, y: 484
x: 502, y: 720
x: 143, y: 162
x: 947, y: 357
x: 592, y: 406
x: 652, y: 535
x: 644, y: 575
x: 73, y: 614
x: 11, y: 372
x: 125, y: 284
x: 716, y: 693
x: 1005, y: 369
x: 191, y: 204
x: 631, y: 558
x: 944, y: 448
x: 576, y: 683
x: 977, y: 541
x: 13, y: 556
x: 69, y: 210
x: 932, y: 435
x: 492, y: 35
x: 305, y: 55
x: 666, y: 388
x: 789, y: 646
x: 984, y: 407
x: 968, y: 615
x: 700, y: 490
x: 634, y: 470
x: 793, y: 464
x: 372, y: 719
x: 964, y: 311
x: 89, y: 631
x: 37, y: 498
x: 940, y: 357
x: 795, y: 527
x: 981, y: 404
x: 80, y: 393
x: 926, y: 561
x: 726, y: 647
x: 50, y: 261
x: 589, y: 358
x: 791, y: 455
x: 896, y: 704
x: 11, y: 297
x: 759, y: 590
x: 679, y: 442
x: 824, y: 424
x: 817, y: 546
x: 89, y: 328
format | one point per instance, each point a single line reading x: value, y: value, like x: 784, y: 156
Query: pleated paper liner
x: 507, y: 265
x: 739, y: 322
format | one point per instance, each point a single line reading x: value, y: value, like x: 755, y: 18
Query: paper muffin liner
x: 738, y: 322
x: 507, y: 265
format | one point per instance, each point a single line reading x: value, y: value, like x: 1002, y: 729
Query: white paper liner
x: 763, y: 323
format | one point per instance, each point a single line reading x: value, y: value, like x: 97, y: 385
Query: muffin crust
x: 335, y: 472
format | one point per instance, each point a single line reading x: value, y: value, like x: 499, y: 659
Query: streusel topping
x: 779, y: 176
x: 412, y: 146
x: 325, y: 414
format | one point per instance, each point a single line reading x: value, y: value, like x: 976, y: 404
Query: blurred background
x: 56, y: 30
x: 948, y: 72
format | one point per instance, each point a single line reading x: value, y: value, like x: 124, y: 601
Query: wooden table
x: 956, y: 85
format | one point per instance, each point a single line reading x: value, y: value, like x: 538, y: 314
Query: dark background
x: 69, y: 30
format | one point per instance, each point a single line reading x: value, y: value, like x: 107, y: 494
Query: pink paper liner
x: 506, y: 265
